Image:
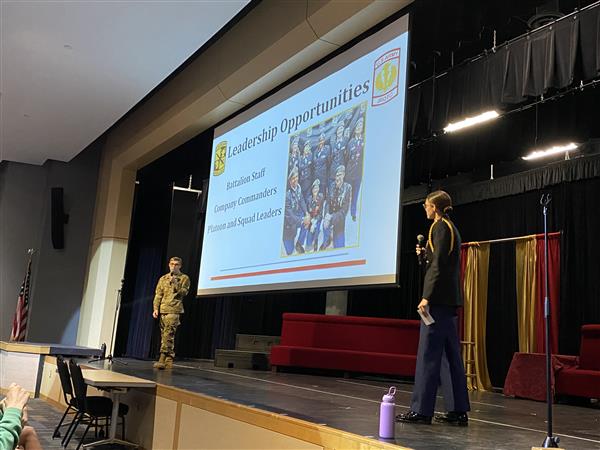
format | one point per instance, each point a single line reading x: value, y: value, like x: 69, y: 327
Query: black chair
x: 67, y: 388
x: 90, y: 409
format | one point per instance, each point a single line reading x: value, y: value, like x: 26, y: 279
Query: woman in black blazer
x: 441, y: 298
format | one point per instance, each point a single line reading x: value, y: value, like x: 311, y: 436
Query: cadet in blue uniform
x: 321, y: 162
x: 354, y: 165
x: 346, y: 135
x: 441, y: 298
x: 294, y: 154
x: 338, y: 153
x: 336, y: 209
x: 315, y: 210
x: 296, y: 215
x: 305, y: 170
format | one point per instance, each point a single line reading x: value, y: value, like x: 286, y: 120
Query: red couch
x: 352, y: 344
x: 583, y: 379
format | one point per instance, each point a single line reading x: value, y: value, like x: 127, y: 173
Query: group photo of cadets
x: 325, y: 170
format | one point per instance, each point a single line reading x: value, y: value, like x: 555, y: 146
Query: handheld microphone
x: 421, y: 244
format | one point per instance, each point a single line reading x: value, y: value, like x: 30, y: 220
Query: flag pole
x: 30, y: 252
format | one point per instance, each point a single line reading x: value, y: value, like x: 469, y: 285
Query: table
x: 526, y: 376
x: 117, y: 384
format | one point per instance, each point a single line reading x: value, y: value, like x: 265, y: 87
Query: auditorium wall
x: 25, y: 222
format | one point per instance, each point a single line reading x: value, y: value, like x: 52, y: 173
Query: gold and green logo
x: 385, y: 77
x: 220, y: 156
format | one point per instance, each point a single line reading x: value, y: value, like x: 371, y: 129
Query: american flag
x: 19, y: 327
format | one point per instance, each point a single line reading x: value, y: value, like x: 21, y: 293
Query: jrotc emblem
x: 220, y: 155
x: 385, y: 77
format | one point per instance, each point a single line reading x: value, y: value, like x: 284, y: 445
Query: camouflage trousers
x: 168, y: 327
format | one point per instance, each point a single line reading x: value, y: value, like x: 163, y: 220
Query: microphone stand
x: 550, y: 441
x: 110, y: 357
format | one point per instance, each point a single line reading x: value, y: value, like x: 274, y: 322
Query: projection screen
x: 304, y: 189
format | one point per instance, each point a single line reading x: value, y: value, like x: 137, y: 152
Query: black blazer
x: 442, y: 273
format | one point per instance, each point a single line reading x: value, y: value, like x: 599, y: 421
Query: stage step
x: 242, y: 359
x: 253, y: 342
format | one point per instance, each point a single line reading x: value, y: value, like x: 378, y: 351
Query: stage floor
x: 352, y: 405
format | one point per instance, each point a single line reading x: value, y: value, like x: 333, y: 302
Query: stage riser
x: 239, y: 359
x: 252, y: 342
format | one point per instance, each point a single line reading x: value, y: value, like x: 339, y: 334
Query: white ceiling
x: 70, y: 69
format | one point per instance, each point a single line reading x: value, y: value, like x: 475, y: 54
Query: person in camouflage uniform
x: 168, y: 304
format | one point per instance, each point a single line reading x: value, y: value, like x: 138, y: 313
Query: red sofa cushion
x: 355, y: 361
x: 369, y: 334
x: 589, y: 353
x: 582, y: 383
x: 357, y: 344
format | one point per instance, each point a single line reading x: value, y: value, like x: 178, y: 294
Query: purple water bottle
x: 387, y: 414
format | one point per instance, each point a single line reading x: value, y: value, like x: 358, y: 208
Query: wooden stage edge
x: 300, y: 429
x: 179, y: 411
x: 23, y: 347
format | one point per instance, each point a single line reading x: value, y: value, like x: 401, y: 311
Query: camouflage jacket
x: 170, y: 292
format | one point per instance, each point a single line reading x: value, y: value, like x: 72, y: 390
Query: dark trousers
x: 437, y: 342
x: 355, y: 190
x: 289, y: 244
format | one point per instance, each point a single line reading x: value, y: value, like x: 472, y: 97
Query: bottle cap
x: 389, y: 397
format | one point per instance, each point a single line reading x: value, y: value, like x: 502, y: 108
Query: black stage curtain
x: 144, y: 264
x: 467, y: 188
x: 552, y: 57
x: 501, y: 324
x: 589, y: 43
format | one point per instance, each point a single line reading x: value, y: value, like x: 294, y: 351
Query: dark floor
x: 44, y: 418
x: 352, y: 405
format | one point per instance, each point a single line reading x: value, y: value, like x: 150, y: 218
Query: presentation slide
x: 305, y: 186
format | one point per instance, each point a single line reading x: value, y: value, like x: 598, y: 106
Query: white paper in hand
x: 425, y: 316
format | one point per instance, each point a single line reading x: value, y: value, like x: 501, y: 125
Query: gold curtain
x: 526, y: 293
x: 475, y: 311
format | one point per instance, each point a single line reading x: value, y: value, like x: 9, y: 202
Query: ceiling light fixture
x: 470, y: 121
x: 556, y: 149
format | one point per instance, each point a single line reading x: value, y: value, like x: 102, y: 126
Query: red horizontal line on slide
x: 356, y: 262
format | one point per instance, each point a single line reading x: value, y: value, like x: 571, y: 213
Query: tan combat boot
x: 160, y: 364
x: 168, y: 362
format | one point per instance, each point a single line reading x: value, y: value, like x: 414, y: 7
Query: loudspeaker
x: 58, y: 218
